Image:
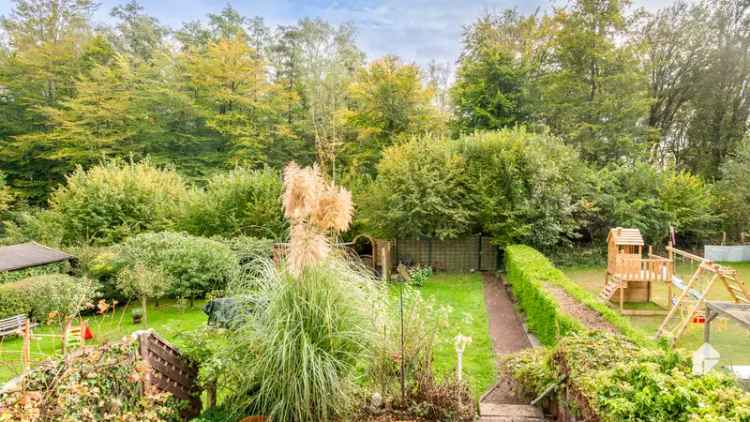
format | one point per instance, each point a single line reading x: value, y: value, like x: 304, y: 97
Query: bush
x: 54, y: 268
x: 527, y: 187
x: 608, y: 378
x: 46, y: 296
x: 528, y: 271
x: 652, y: 200
x: 241, y: 202
x: 6, y: 197
x: 103, y: 385
x: 112, y: 201
x: 295, y: 359
x: 249, y: 249
x: 194, y: 265
x: 421, y: 191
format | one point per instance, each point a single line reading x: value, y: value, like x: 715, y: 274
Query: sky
x: 415, y: 30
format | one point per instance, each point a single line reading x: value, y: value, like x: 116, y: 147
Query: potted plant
x: 137, y: 314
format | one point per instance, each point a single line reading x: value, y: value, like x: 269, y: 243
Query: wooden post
x: 670, y: 256
x: 622, y: 295
x: 386, y: 265
x: 26, y: 345
x: 66, y: 328
x: 723, y: 238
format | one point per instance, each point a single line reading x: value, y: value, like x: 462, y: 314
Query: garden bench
x: 13, y: 325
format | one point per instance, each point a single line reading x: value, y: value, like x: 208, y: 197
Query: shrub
x: 651, y: 200
x: 112, y: 201
x: 241, y: 202
x: 249, y: 249
x: 609, y: 378
x: 46, y: 296
x: 528, y: 272
x: 527, y: 187
x: 6, y: 197
x: 420, y: 275
x: 41, y: 225
x: 194, y: 265
x: 54, y: 268
x: 295, y: 359
x: 106, y: 384
x: 422, y: 190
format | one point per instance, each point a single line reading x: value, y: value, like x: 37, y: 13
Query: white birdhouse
x: 704, y: 359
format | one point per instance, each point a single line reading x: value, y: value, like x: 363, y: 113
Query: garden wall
x: 533, y: 277
x: 475, y: 253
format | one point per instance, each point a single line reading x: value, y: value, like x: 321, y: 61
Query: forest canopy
x: 549, y: 127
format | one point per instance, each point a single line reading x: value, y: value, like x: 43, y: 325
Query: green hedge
x: 528, y: 271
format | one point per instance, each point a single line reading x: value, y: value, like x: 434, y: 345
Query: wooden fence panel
x: 171, y: 372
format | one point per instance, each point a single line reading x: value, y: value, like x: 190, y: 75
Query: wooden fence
x: 170, y: 372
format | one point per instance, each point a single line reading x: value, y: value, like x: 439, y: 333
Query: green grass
x: 464, y: 293
x: 168, y: 320
x: 733, y: 342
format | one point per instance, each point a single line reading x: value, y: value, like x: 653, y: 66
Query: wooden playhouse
x: 630, y: 273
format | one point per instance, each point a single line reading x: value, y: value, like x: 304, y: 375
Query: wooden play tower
x: 629, y: 273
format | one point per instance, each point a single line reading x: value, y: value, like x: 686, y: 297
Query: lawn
x: 729, y: 338
x: 464, y: 293
x: 169, y: 319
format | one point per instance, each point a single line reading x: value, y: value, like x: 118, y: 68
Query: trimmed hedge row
x: 528, y: 271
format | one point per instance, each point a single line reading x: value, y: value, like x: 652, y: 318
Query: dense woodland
x: 548, y: 129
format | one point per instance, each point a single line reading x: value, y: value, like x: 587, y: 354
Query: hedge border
x: 528, y: 270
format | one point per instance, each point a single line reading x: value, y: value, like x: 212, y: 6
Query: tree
x: 6, y: 197
x: 232, y: 91
x: 141, y: 283
x: 676, y: 54
x: 597, y: 95
x: 721, y: 108
x: 324, y: 58
x: 388, y: 102
x: 733, y: 191
x: 50, y: 45
x: 137, y: 34
x: 498, y: 69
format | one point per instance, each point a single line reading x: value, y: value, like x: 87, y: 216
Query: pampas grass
x: 296, y: 358
x: 314, y: 207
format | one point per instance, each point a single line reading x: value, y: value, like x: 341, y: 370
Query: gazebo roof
x: 625, y: 237
x: 31, y: 254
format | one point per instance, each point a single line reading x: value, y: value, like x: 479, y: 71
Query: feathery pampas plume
x: 313, y: 207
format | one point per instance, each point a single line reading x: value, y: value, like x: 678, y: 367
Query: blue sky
x: 416, y: 30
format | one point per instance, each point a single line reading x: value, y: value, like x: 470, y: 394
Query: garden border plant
x: 528, y: 270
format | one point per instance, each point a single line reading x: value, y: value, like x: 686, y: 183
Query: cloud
x: 415, y: 30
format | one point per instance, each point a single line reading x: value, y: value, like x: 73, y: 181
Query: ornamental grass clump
x: 294, y: 356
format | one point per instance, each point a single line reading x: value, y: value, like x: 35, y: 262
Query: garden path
x: 501, y: 404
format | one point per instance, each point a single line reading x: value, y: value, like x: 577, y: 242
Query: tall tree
x: 50, y: 43
x: 502, y: 58
x: 136, y: 33
x: 388, y: 102
x: 597, y: 96
x: 232, y: 90
x: 722, y: 106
